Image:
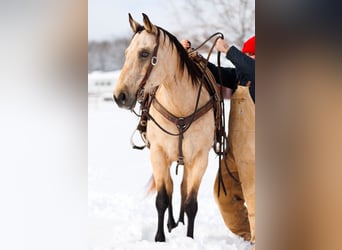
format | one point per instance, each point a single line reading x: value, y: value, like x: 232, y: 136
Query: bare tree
x: 234, y: 18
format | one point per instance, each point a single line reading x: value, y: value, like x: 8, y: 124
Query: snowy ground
x: 121, y: 215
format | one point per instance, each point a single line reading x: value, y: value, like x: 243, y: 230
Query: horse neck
x: 178, y: 95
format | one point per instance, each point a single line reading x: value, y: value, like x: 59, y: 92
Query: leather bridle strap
x: 182, y: 124
x: 140, y: 92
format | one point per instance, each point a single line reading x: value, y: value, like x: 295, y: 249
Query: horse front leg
x: 169, y: 190
x: 171, y: 224
x: 183, y: 197
x: 162, y: 203
x: 164, y: 185
x: 191, y: 208
x: 193, y: 180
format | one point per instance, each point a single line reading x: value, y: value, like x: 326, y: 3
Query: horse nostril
x: 121, y: 99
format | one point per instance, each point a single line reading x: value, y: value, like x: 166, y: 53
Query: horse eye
x: 144, y: 54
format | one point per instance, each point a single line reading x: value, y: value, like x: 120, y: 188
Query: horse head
x: 142, y: 71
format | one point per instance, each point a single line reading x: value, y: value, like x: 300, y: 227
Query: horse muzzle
x: 124, y: 100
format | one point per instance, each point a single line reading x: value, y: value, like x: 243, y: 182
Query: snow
x: 101, y: 75
x: 121, y: 215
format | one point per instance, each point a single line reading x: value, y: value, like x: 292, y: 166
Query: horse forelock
x: 139, y: 30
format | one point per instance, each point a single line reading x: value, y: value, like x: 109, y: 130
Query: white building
x: 101, y: 84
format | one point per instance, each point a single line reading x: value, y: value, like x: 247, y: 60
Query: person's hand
x: 186, y: 44
x: 222, y: 45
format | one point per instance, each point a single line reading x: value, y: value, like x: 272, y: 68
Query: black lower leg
x: 171, y: 221
x: 161, y: 205
x: 191, y: 211
x: 181, y: 212
x: 183, y: 196
x: 181, y: 215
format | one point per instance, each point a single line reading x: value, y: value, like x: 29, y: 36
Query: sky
x: 109, y: 18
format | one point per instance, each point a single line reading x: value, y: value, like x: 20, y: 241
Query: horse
x: 181, y: 123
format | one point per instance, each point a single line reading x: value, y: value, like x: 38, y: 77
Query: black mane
x: 194, y: 71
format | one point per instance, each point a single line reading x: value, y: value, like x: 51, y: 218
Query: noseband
x: 141, y: 89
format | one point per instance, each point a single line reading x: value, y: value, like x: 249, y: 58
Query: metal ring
x: 143, y: 123
x: 154, y: 60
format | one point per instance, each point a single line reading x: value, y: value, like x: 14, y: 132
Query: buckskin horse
x: 181, y: 122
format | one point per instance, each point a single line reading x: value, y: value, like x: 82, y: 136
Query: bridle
x: 141, y: 90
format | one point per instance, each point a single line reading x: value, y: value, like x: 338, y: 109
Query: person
x: 244, y: 62
x: 240, y: 158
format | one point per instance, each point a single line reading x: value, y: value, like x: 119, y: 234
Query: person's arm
x: 229, y: 78
x: 244, y: 63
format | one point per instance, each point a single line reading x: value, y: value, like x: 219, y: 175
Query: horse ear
x: 134, y: 24
x: 149, y: 27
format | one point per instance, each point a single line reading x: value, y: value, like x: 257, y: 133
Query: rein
x: 221, y: 147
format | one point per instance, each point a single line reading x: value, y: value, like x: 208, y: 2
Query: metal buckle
x: 154, y: 60
x: 181, y: 124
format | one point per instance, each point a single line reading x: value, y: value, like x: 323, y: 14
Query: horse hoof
x: 171, y: 225
x: 159, y: 237
x: 180, y: 221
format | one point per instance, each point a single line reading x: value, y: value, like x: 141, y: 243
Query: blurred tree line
x: 106, y: 55
x: 234, y: 18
